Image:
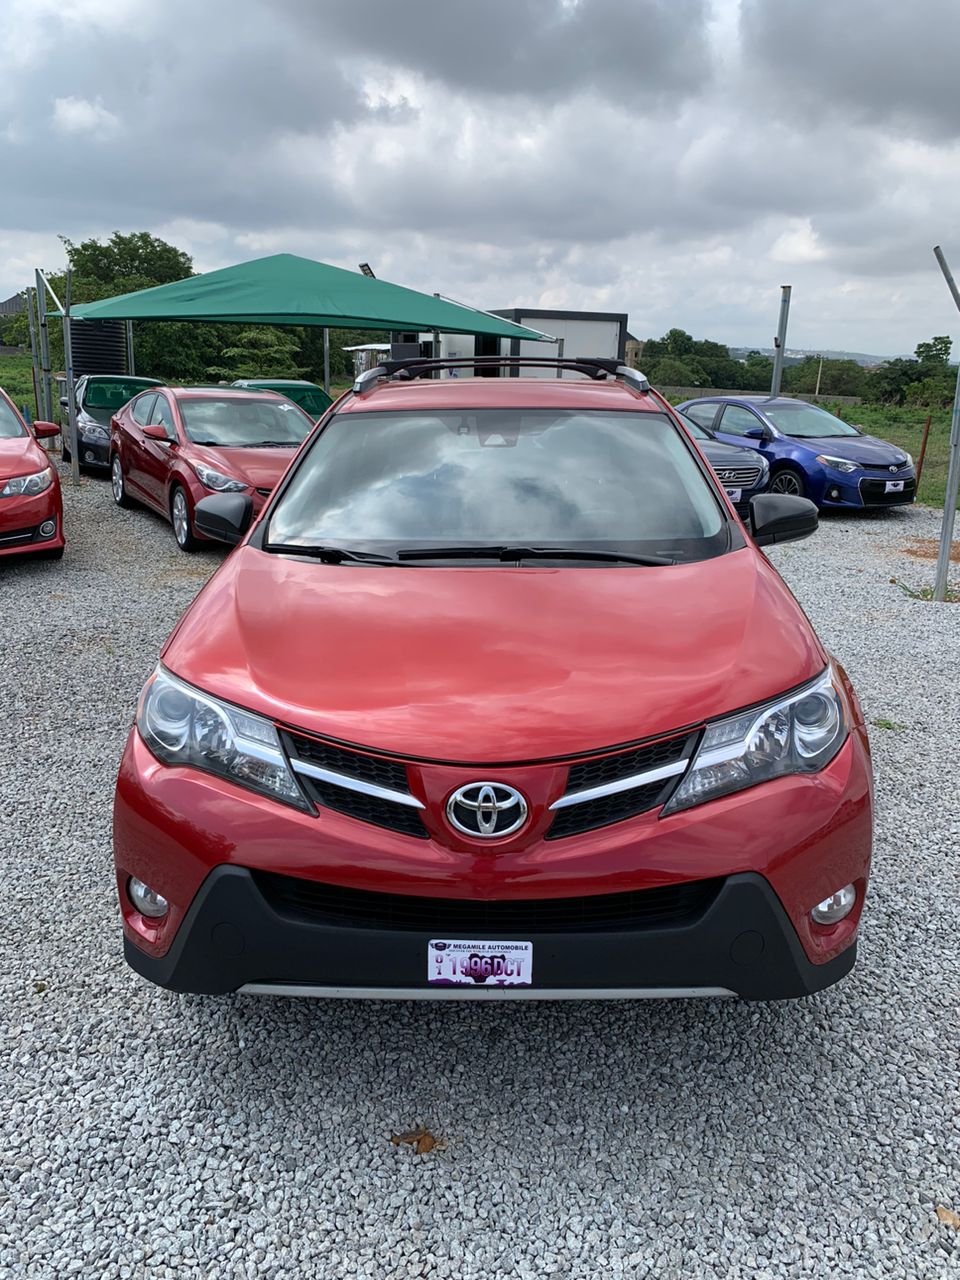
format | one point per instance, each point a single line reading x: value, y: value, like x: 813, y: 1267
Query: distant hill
x: 794, y: 355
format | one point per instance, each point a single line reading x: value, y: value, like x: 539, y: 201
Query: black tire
x: 118, y: 482
x: 789, y: 481
x: 180, y: 519
x: 65, y: 452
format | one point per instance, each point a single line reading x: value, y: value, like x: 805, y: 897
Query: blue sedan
x: 811, y: 453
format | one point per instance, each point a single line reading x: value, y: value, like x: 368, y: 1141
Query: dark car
x: 743, y: 472
x: 311, y: 398
x: 99, y: 396
x: 812, y: 454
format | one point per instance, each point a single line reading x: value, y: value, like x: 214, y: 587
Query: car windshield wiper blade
x: 273, y: 444
x: 329, y: 555
x: 514, y: 553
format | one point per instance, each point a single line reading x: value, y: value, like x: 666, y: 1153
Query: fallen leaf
x: 422, y: 1140
x: 948, y: 1217
x: 39, y: 986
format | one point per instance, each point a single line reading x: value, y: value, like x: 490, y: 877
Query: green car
x: 311, y: 398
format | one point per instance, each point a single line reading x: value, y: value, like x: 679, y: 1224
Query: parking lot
x: 148, y: 1133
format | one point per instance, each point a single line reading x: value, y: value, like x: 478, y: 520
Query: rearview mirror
x: 781, y: 517
x: 225, y: 517
x: 45, y: 430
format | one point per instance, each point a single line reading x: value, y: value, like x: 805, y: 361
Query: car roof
x: 765, y: 402
x: 123, y: 377
x: 277, y: 382
x: 501, y: 393
x: 223, y: 393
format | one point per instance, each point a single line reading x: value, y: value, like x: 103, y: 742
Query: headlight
x: 91, y: 430
x: 217, y: 480
x: 838, y: 464
x: 182, y: 726
x: 798, y: 734
x: 28, y: 486
x: 909, y: 461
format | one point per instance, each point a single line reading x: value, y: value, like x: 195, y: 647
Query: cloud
x: 676, y: 159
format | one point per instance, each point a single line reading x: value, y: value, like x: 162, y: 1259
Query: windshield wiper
x: 329, y: 555
x: 509, y: 554
x: 273, y: 444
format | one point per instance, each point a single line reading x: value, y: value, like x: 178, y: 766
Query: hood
x: 867, y: 450
x: 493, y: 665
x: 20, y: 456
x: 259, y: 468
x: 729, y: 455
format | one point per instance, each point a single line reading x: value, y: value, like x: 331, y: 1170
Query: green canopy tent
x: 284, y: 289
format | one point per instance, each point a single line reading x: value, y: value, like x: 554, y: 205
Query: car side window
x: 142, y: 407
x: 737, y: 421
x: 162, y: 416
x: 703, y: 414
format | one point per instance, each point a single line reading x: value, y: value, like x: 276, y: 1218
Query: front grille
x: 744, y: 477
x: 625, y: 764
x: 666, y: 905
x: 606, y: 809
x: 376, y: 810
x: 384, y: 773
x: 18, y: 537
x: 873, y: 493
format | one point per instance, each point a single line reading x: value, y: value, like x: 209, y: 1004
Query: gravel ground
x: 150, y: 1134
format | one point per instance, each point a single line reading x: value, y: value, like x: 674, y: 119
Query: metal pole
x: 44, y: 350
x: 559, y: 356
x: 70, y: 388
x: 953, y: 472
x: 326, y: 359
x: 131, y: 364
x: 32, y: 324
x: 816, y: 393
x: 780, y: 341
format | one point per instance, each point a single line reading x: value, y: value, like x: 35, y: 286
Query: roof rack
x: 594, y: 367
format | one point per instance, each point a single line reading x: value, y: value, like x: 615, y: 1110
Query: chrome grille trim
x: 622, y: 784
x: 354, y: 784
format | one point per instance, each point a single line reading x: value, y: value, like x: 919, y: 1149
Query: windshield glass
x: 10, y: 424
x: 102, y: 397
x: 237, y: 422
x: 807, y: 420
x: 492, y: 476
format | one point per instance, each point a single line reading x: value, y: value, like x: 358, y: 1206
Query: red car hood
x: 259, y: 468
x: 493, y: 664
x: 20, y: 456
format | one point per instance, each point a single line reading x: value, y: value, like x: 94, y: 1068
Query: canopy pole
x: 953, y: 472
x: 131, y: 364
x: 45, y: 382
x: 32, y: 325
x: 326, y: 359
x: 70, y: 387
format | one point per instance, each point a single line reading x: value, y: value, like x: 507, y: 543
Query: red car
x: 172, y: 446
x: 31, y: 507
x: 497, y: 698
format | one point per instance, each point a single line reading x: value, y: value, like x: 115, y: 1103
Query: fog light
x: 834, y: 495
x: 835, y: 908
x: 147, y: 901
x: 89, y: 456
x: 48, y: 528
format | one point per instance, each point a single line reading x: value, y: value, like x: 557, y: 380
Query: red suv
x: 497, y: 698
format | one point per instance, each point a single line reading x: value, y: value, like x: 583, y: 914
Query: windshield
x: 491, y: 476
x: 237, y: 422
x: 104, y: 396
x: 806, y: 420
x: 10, y: 424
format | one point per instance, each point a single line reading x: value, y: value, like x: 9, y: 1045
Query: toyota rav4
x: 497, y: 697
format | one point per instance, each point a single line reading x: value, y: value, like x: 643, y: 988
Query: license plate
x: 893, y: 486
x: 452, y: 962
x: 734, y: 494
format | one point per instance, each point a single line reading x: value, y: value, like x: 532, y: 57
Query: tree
x: 936, y: 351
x: 259, y: 351
x: 888, y: 382
x: 669, y: 371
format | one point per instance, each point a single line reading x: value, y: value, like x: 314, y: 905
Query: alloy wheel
x: 787, y: 482
x: 181, y: 518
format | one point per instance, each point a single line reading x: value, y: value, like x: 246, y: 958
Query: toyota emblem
x: 487, y: 810
x: 895, y: 468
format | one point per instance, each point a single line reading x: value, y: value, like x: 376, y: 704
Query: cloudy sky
x: 675, y: 159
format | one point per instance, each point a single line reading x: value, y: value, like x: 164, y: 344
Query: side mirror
x: 156, y: 432
x: 45, y: 430
x: 64, y: 402
x: 756, y: 433
x: 781, y: 517
x: 225, y: 517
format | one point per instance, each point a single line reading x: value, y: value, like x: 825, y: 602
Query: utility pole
x: 780, y: 341
x: 816, y: 394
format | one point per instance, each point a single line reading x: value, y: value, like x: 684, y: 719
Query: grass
x: 882, y: 723
x: 16, y: 378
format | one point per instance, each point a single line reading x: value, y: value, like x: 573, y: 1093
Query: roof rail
x: 594, y: 367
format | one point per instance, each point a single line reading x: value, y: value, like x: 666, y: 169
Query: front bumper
x: 234, y: 938
x: 21, y: 519
x: 867, y: 489
x: 93, y: 453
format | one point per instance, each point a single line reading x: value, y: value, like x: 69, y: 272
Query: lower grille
x: 873, y: 493
x: 666, y: 905
x: 18, y: 537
